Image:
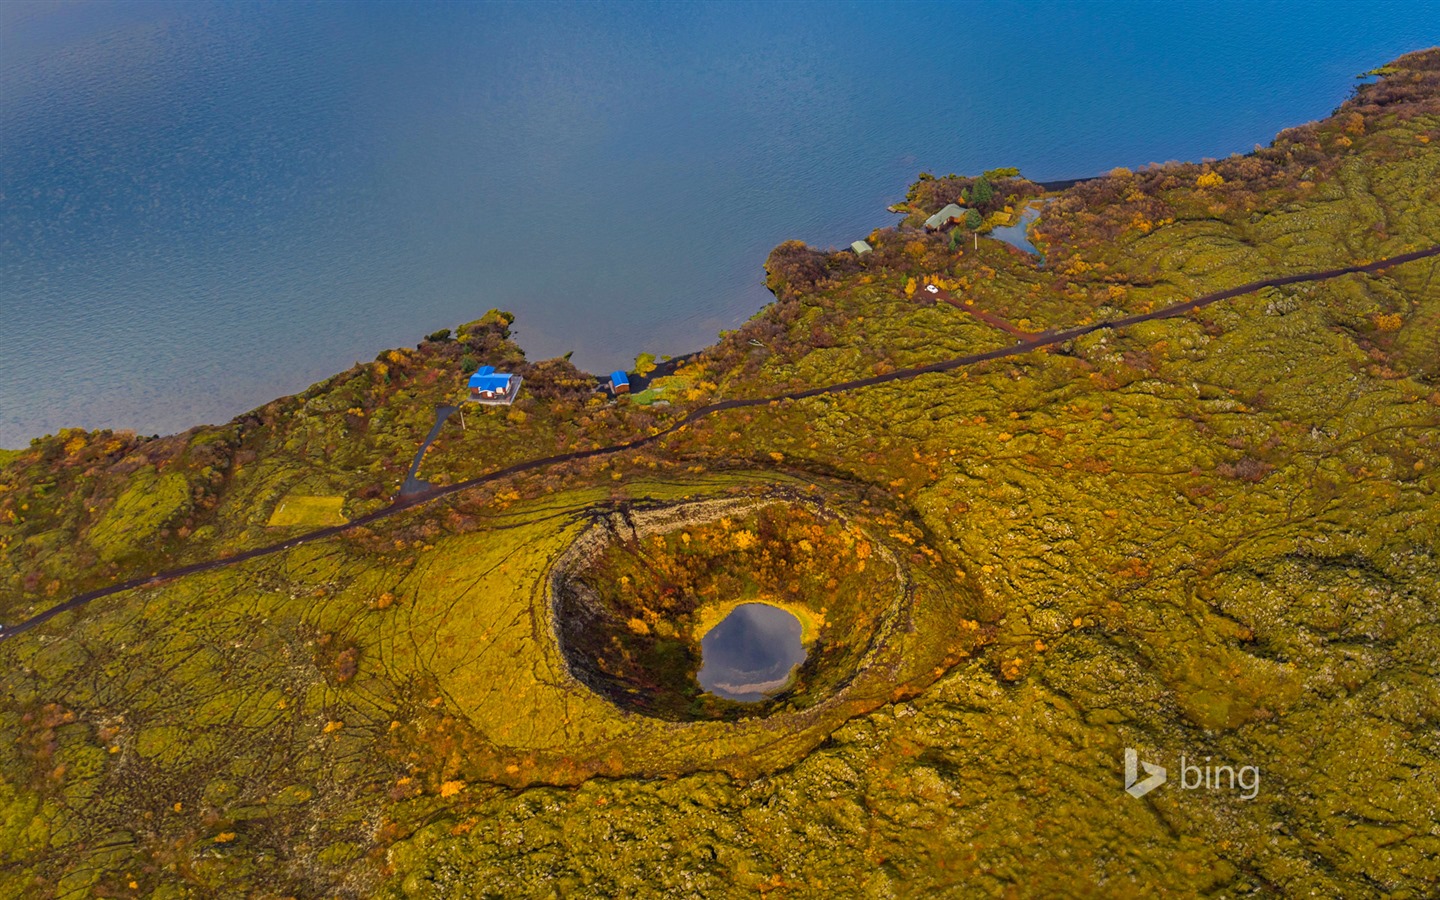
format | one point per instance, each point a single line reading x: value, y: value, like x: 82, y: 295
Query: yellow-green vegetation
x: 1213, y: 535
x: 685, y: 385
x: 150, y: 502
x: 637, y: 592
x: 298, y: 509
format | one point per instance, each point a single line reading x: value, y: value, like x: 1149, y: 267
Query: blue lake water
x: 203, y: 206
x: 751, y: 654
x: 1018, y: 235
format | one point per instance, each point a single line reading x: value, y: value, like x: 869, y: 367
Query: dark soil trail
x: 413, y: 486
x: 409, y: 500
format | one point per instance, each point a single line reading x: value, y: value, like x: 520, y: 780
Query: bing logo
x: 1245, y: 779
x: 1155, y: 775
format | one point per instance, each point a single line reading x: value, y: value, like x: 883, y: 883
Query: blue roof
x: 487, y: 379
x: 618, y: 377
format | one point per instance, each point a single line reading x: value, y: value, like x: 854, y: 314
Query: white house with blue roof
x: 492, y: 387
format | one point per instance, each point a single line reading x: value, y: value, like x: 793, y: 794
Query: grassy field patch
x: 149, y: 504
x: 300, y: 510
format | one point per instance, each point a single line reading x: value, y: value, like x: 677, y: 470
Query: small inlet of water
x: 1017, y: 235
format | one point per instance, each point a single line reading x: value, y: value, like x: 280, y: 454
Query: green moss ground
x: 297, y: 509
x: 1215, y: 535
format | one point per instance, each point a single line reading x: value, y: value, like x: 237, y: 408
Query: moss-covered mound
x: 641, y: 588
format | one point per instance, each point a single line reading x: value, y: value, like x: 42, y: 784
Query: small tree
x: 981, y: 192
x: 973, y: 219
x: 644, y: 364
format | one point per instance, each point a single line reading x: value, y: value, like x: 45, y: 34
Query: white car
x: 932, y: 289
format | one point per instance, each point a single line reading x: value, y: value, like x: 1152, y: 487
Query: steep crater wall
x: 559, y: 673
x: 640, y: 588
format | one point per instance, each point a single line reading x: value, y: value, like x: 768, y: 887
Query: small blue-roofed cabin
x: 490, y: 386
x: 619, y: 383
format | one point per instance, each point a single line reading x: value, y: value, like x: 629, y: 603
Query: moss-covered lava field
x: 1214, y: 535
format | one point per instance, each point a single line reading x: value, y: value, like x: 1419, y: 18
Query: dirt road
x: 1027, y: 344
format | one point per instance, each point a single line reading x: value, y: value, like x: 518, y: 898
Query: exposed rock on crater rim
x: 867, y: 640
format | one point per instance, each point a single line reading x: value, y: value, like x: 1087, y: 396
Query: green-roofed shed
x: 951, y: 213
x: 861, y: 248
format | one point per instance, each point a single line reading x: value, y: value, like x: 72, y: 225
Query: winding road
x: 408, y: 501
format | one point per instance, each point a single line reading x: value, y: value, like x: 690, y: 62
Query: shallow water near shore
x: 1017, y: 235
x: 204, y: 206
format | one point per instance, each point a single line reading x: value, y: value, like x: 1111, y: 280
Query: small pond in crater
x: 752, y: 654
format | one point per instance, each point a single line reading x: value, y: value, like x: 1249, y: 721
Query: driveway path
x: 413, y: 486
